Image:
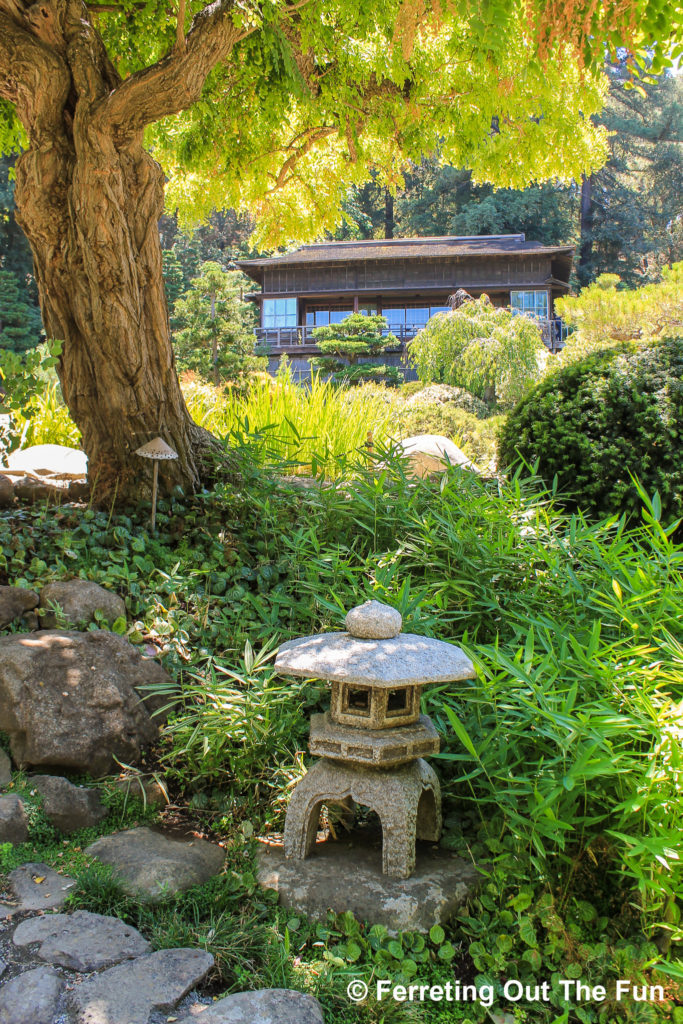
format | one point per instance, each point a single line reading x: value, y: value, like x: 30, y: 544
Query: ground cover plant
x: 560, y: 763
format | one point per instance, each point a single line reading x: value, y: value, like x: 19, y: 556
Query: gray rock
x: 78, y: 600
x: 151, y: 864
x: 130, y: 992
x: 266, y: 1006
x: 35, y: 886
x: 69, y: 807
x: 400, y: 661
x: 347, y: 875
x: 3, y: 967
x: 6, y: 491
x: 82, y: 941
x: 31, y: 997
x: 14, y: 603
x: 5, y: 770
x: 70, y: 699
x: 13, y: 820
x: 374, y: 621
x: 30, y: 489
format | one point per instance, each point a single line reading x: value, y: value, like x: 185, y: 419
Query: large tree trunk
x: 89, y: 198
x: 91, y: 220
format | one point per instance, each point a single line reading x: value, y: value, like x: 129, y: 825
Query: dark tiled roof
x: 416, y: 248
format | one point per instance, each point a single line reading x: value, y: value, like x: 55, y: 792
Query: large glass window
x: 530, y: 303
x: 395, y: 317
x: 337, y: 315
x: 279, y: 313
x: 322, y: 317
x: 439, y: 309
x: 417, y: 316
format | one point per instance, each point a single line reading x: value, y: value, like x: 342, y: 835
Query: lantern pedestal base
x: 406, y: 799
x: 346, y: 874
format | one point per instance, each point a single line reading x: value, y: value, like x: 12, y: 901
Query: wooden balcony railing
x: 292, y: 340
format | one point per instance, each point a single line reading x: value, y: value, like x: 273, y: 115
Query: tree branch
x: 180, y: 26
x: 175, y: 82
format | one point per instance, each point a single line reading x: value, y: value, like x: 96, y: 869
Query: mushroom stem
x: 155, y: 483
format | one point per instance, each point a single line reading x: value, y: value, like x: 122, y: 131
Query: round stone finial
x: 374, y: 621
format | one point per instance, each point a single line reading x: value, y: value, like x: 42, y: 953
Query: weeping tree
x: 275, y: 107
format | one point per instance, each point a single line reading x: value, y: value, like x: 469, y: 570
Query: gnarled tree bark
x: 89, y: 198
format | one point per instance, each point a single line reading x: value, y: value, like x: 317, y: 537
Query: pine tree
x: 214, y: 333
x: 20, y: 323
x: 631, y: 209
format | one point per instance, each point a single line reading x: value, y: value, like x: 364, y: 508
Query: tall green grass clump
x: 308, y: 427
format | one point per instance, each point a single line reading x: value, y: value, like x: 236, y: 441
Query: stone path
x: 84, y: 968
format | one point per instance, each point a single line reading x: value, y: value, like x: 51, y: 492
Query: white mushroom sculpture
x: 159, y: 451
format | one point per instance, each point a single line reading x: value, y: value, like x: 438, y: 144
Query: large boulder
x: 152, y: 865
x: 48, y: 460
x: 428, y: 454
x: 75, y: 700
x: 15, y: 602
x: 69, y: 807
x: 5, y: 770
x: 78, y: 600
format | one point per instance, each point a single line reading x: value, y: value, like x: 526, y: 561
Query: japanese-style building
x: 405, y: 279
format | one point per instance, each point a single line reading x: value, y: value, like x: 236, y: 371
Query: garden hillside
x: 560, y: 762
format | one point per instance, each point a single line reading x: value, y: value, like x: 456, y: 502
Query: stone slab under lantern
x: 379, y: 748
x: 346, y: 874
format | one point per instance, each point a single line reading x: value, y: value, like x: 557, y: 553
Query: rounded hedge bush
x: 594, y: 422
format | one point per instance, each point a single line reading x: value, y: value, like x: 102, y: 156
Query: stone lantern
x: 373, y: 739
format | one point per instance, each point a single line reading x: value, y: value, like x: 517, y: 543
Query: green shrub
x: 605, y: 314
x: 476, y: 436
x: 598, y: 421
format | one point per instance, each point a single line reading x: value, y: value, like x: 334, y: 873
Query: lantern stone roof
x: 403, y: 660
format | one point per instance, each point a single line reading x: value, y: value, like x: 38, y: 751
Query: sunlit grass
x: 310, y: 427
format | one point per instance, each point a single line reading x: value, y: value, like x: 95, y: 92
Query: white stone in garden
x: 432, y: 453
x: 374, y: 621
x: 51, y: 460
